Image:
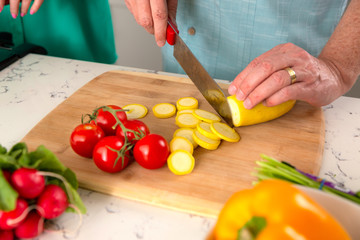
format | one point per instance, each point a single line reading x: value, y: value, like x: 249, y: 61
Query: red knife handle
x: 170, y: 32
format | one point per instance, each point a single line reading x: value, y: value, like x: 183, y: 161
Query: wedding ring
x: 292, y: 75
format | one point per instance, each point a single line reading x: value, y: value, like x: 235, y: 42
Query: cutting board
x: 297, y: 137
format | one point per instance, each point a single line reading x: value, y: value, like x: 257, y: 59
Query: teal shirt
x: 76, y: 29
x: 231, y: 33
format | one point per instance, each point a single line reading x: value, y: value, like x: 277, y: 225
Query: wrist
x: 344, y: 76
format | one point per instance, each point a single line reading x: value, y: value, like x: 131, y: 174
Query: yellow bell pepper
x: 275, y: 209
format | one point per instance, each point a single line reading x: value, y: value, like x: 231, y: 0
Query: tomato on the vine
x: 109, y: 154
x: 84, y: 138
x: 107, y: 121
x: 151, y: 151
x: 133, y: 125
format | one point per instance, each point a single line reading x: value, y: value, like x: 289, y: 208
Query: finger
x: 295, y: 91
x: 2, y: 4
x: 35, y: 6
x: 25, y: 4
x: 129, y: 5
x: 14, y: 8
x: 172, y: 8
x: 267, y: 88
x: 233, y: 88
x: 144, y: 15
x: 261, y: 68
x: 160, y: 17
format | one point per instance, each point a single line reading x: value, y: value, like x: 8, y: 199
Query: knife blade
x: 198, y: 75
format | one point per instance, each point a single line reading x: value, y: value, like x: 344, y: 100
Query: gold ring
x: 292, y: 75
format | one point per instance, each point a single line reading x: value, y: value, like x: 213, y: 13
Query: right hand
x: 153, y: 15
x: 25, y: 5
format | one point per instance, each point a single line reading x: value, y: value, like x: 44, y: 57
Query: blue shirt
x: 229, y: 34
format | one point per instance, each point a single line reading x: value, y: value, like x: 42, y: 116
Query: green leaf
x: 8, y: 195
x: 8, y: 162
x: 76, y: 202
x: 18, y: 150
x: 70, y: 176
x: 3, y: 150
x: 45, y: 160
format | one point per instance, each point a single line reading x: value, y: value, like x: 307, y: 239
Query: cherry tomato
x: 107, y: 121
x: 84, y: 138
x: 133, y: 125
x: 107, y: 156
x: 151, y: 151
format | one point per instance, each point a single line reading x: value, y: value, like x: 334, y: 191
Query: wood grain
x: 297, y: 137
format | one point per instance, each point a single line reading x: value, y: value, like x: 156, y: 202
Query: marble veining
x: 36, y: 84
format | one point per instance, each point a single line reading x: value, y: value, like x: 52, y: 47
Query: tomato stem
x: 127, y: 144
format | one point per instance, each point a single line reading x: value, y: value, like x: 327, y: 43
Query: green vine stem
x: 128, y: 145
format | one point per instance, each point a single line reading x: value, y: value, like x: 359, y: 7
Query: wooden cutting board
x: 297, y: 137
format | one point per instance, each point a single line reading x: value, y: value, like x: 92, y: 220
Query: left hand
x: 318, y: 81
x: 25, y: 5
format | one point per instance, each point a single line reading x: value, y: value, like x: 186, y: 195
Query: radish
x: 27, y: 182
x: 31, y: 227
x: 7, y: 218
x: 6, y: 235
x: 7, y: 175
x: 52, y: 201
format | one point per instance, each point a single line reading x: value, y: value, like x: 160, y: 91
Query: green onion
x: 271, y: 168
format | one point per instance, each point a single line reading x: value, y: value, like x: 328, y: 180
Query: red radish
x: 27, y: 182
x: 7, y: 176
x: 31, y: 227
x: 5, y: 224
x: 52, y: 201
x: 6, y: 235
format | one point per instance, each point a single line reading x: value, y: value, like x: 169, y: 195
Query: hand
x: 318, y: 81
x: 25, y: 4
x: 153, y: 16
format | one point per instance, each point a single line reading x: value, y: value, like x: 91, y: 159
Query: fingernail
x: 247, y: 103
x: 232, y: 90
x: 160, y: 43
x: 31, y: 12
x: 1, y: 9
x: 240, y: 95
x: 14, y: 15
x: 22, y: 14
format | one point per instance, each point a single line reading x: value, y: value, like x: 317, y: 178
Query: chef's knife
x: 199, y: 76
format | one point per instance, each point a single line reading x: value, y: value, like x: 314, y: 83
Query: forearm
x: 343, y: 47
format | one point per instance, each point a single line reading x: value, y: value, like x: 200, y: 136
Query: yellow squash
x: 258, y: 114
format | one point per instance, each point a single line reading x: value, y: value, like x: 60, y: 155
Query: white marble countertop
x: 35, y: 85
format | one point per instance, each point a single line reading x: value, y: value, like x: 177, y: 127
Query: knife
x: 198, y: 75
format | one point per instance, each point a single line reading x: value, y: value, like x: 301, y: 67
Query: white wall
x: 135, y: 47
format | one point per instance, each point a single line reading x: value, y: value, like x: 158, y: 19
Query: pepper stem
x: 252, y: 228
